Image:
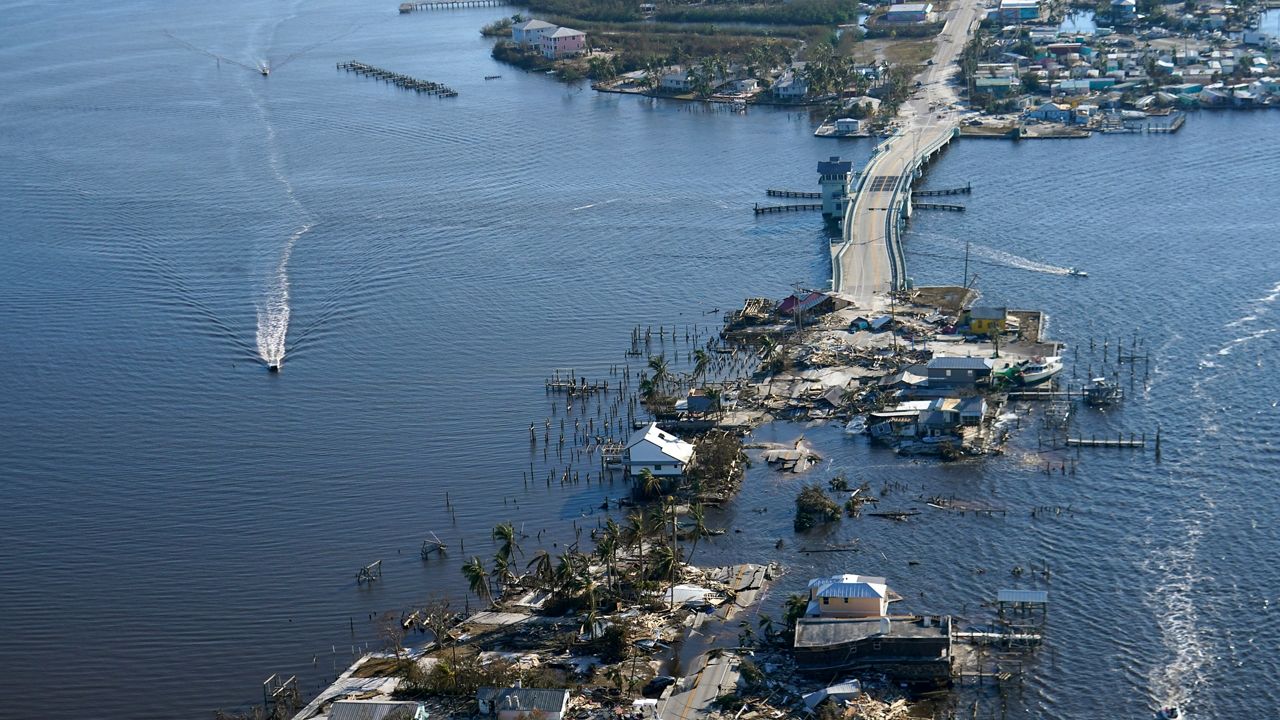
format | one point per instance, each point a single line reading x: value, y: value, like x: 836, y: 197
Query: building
x: 847, y: 596
x: 836, y: 176
x: 848, y: 125
x: 957, y: 371
x: 1124, y: 10
x: 791, y: 86
x: 1015, y: 11
x: 746, y: 86
x: 675, y: 80
x: 998, y: 87
x: 810, y: 304
x: 909, y: 13
x: 657, y: 451
x: 907, y: 649
x: 523, y: 703
x: 972, y: 410
x: 986, y: 320
x: 1052, y: 112
x: 376, y: 710
x: 562, y: 43
x: 529, y: 33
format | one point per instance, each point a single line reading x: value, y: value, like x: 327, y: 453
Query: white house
x: 848, y: 125
x: 657, y: 451
x: 848, y: 596
x: 1052, y: 112
x: 530, y: 32
x: 675, y: 80
x: 791, y: 86
x: 523, y: 703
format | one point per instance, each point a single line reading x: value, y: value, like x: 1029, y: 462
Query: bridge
x: 868, y: 262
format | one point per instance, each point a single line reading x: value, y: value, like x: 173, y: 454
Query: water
x: 180, y: 523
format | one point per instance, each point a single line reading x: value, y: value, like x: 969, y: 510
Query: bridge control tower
x: 836, y: 176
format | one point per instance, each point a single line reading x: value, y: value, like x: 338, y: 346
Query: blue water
x: 181, y: 524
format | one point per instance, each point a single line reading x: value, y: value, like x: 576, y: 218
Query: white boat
x: 1077, y: 272
x: 1038, y: 370
x: 1100, y: 393
x: 1170, y: 712
x: 264, y: 68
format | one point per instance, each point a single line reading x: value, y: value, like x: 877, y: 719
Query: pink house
x: 563, y: 42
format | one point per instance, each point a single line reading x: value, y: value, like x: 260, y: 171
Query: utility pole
x: 966, y: 264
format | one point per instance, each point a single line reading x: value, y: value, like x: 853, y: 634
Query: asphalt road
x: 863, y: 261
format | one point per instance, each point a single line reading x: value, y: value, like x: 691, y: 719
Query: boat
x: 1077, y: 272
x: 492, y: 77
x: 273, y: 367
x: 1170, y: 712
x: 856, y: 426
x: 264, y: 68
x: 1033, y: 372
x: 1100, y: 393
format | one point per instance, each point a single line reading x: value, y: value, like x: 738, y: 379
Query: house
x: 957, y: 371
x: 376, y: 710
x: 912, y: 13
x: 942, y: 419
x: 998, y: 87
x: 906, y: 649
x: 847, y: 596
x: 836, y: 176
x: 676, y: 80
x: 985, y: 320
x: 848, y: 125
x: 1052, y: 112
x: 562, y: 43
x: 697, y: 402
x: 1016, y: 11
x: 791, y: 86
x: 814, y: 303
x: 972, y: 410
x: 746, y: 86
x: 523, y: 703
x: 1124, y: 10
x: 657, y: 451
x: 529, y: 33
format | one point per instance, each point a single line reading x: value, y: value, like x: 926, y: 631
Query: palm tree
x: 794, y: 609
x: 478, y: 579
x: 700, y: 362
x: 506, y: 533
x: 543, y: 569
x: 765, y: 623
x: 714, y: 394
x: 661, y: 372
x: 568, y: 573
x: 650, y: 484
x: 698, y: 517
x: 502, y: 570
x: 636, y: 532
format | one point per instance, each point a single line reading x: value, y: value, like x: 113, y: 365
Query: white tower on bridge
x: 836, y: 177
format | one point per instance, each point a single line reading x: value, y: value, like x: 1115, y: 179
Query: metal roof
x: 959, y: 363
x: 527, y: 699
x: 1023, y: 596
x: 372, y: 710
x: 534, y: 25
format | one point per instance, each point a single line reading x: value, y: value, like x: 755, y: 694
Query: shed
x: 987, y: 320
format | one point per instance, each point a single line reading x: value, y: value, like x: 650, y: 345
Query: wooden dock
x: 794, y: 194
x: 937, y: 206
x: 763, y: 209
x: 968, y: 188
x: 445, y: 4
x: 399, y: 80
x: 1116, y: 442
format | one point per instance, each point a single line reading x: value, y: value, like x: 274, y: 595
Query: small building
x: 836, y: 177
x: 745, y: 86
x: 907, y: 649
x: 909, y: 13
x: 814, y: 303
x: 941, y: 419
x: 1124, y: 10
x: 986, y: 320
x: 847, y: 596
x: 1052, y: 112
x: 848, y: 125
x: 957, y: 371
x: 529, y: 33
x: 972, y: 410
x: 998, y: 87
x: 1016, y: 11
x: 376, y: 710
x: 563, y: 42
x: 675, y: 80
x: 657, y: 451
x: 697, y: 402
x: 523, y: 703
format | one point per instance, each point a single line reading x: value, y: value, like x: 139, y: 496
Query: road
x: 861, y: 264
x: 718, y: 677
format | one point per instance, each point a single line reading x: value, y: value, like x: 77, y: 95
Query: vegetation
x: 465, y: 674
x: 501, y: 27
x: 797, y: 12
x: 523, y: 57
x: 813, y: 508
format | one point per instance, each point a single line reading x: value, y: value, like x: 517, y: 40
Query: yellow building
x: 987, y: 320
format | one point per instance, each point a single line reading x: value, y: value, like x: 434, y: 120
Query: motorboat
x: 264, y: 68
x: 1034, y: 372
x: 1098, y: 392
x: 1169, y: 712
x: 273, y: 367
x: 1077, y: 272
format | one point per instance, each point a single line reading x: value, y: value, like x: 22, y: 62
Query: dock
x: 763, y: 209
x: 398, y: 79
x: 445, y: 4
x: 968, y: 188
x: 936, y: 206
x: 1116, y: 442
x: 794, y: 194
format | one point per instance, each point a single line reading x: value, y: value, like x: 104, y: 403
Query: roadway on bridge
x: 861, y: 264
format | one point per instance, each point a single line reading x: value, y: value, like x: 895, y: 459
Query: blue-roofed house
x: 848, y: 596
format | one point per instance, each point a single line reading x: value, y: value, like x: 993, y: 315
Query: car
x: 654, y: 687
x: 929, y: 61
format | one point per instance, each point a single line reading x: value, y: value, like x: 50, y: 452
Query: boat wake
x: 1173, y: 602
x: 1001, y: 257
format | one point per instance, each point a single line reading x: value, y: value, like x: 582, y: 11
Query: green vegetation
x: 798, y: 12
x: 813, y: 508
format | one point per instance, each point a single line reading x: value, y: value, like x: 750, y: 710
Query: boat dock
x: 444, y: 4
x: 936, y: 206
x: 763, y: 209
x: 968, y: 188
x: 1116, y: 442
x: 399, y: 80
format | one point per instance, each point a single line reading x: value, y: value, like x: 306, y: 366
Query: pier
x: 968, y: 188
x: 936, y: 206
x: 869, y: 260
x: 399, y: 80
x: 1116, y: 442
x: 445, y: 4
x: 763, y: 209
x: 794, y: 194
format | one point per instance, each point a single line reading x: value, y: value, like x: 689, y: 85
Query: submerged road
x: 866, y: 264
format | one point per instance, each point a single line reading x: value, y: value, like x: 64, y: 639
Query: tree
x: 505, y: 533
x: 543, y: 570
x: 794, y: 609
x: 478, y: 579
x: 650, y: 484
x: 699, y: 519
x: 1031, y: 82
x: 700, y: 362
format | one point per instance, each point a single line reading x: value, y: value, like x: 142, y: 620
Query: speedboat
x: 1077, y: 272
x: 264, y: 68
x: 1036, y: 371
x: 1168, y: 713
x: 273, y: 367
